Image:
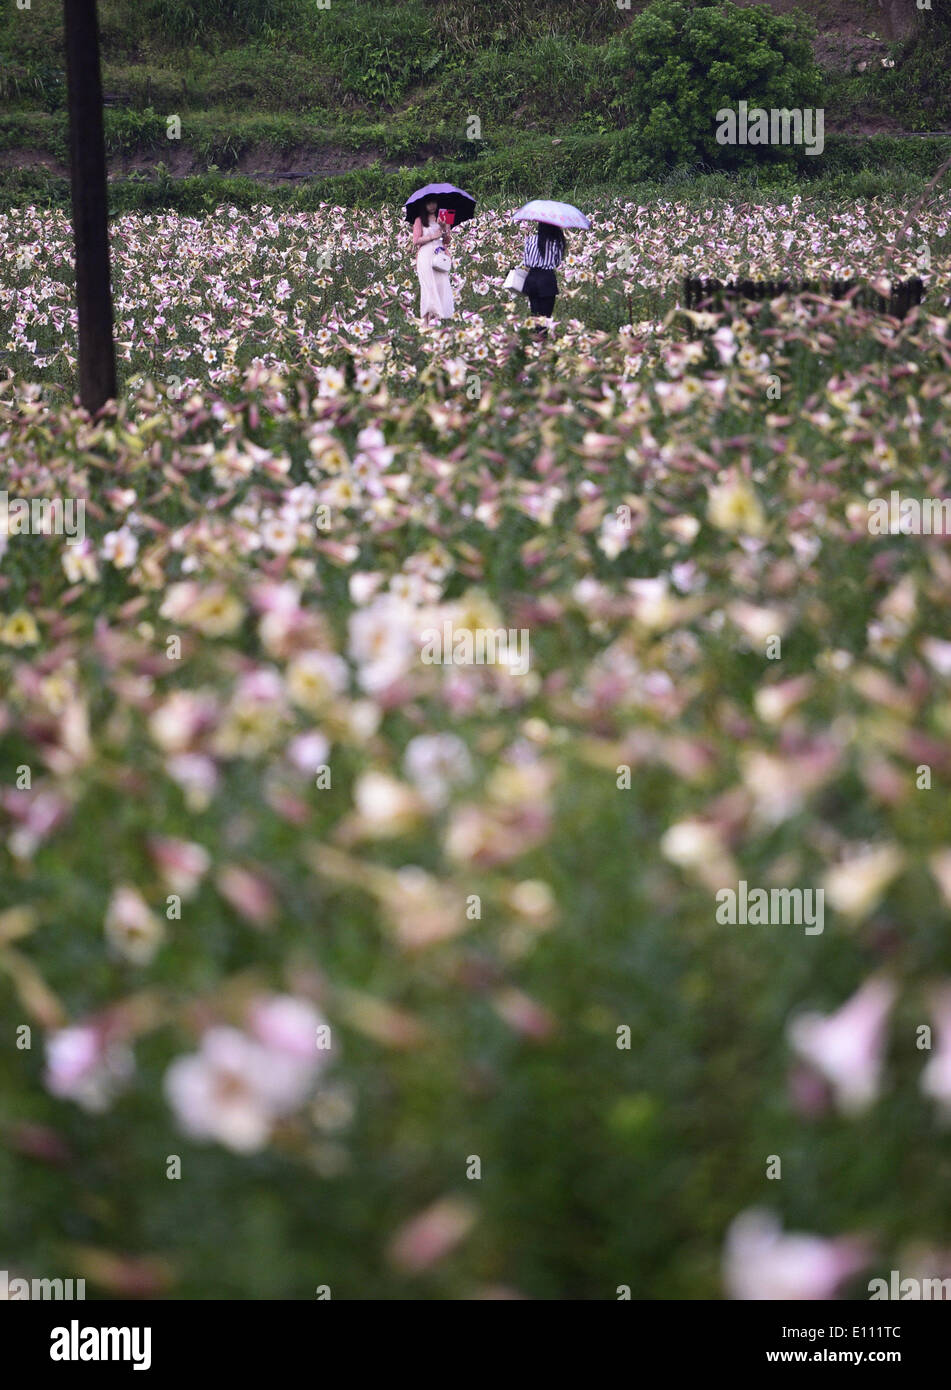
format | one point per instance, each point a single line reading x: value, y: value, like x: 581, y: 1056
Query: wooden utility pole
x: 87, y: 154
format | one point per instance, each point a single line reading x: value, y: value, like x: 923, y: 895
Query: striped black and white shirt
x: 534, y: 260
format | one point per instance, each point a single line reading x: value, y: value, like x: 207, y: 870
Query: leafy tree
x: 678, y: 64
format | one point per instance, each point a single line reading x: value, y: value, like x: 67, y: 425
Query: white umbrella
x: 558, y: 214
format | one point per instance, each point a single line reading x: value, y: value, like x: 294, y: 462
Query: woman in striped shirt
x: 544, y: 252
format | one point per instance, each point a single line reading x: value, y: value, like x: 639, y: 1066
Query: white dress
x: 435, y: 291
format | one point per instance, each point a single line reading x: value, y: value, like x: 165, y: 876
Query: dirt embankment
x: 261, y: 161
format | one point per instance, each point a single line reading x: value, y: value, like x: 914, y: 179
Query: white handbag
x: 442, y: 260
x: 515, y: 280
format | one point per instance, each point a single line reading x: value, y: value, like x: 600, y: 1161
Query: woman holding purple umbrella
x: 431, y: 238
x: 431, y: 211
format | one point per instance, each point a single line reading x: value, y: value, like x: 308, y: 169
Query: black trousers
x: 541, y: 286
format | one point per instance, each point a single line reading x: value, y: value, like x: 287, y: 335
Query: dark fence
x: 711, y: 294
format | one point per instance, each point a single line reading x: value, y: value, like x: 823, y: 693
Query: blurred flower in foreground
x: 297, y: 1039
x: 382, y: 642
x: 436, y: 763
x: 132, y: 929
x: 81, y: 1065
x: 733, y: 506
x: 19, y: 630
x: 760, y: 1262
x: 523, y: 1014
x: 856, y: 886
x: 846, y: 1048
x: 79, y: 563
x: 384, y: 806
x: 221, y: 1092
x: 936, y: 1077
x: 421, y: 908
x: 940, y: 865
x: 121, y: 547
x: 126, y: 1276
x: 308, y: 752
x: 249, y: 894
x: 215, y: 612
x: 236, y: 1087
x: 182, y: 863
x: 690, y: 842
x: 315, y: 678
x: 181, y: 717
x: 614, y: 536
x: 35, y: 815
x: 697, y: 847
x: 432, y: 1235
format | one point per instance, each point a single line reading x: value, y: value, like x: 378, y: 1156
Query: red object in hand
x: 447, y: 215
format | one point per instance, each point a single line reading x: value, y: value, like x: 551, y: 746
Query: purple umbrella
x: 447, y: 195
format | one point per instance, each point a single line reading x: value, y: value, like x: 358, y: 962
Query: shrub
x: 677, y: 65
x: 127, y: 131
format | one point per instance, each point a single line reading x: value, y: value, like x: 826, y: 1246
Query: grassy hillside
x: 283, y: 91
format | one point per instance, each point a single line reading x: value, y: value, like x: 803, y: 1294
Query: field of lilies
x: 329, y: 971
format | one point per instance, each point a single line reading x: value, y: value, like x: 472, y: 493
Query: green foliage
x: 603, y: 99
x: 372, y: 52
x: 30, y: 130
x: 523, y: 167
x: 917, y: 89
x: 668, y: 74
x: 131, y: 130
x: 545, y: 82
x: 40, y: 82
x: 190, y: 196
x: 197, y: 21
x: 257, y: 77
x: 504, y: 23
x: 32, y: 188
